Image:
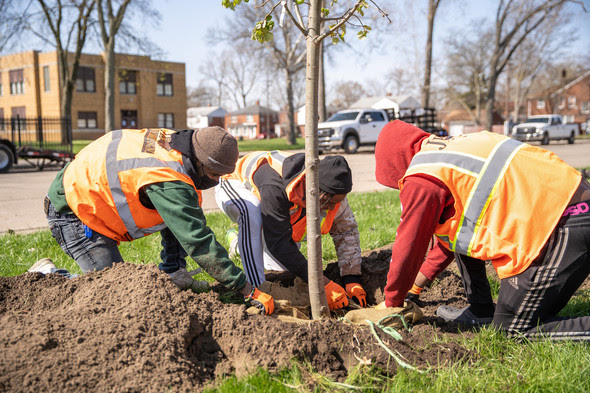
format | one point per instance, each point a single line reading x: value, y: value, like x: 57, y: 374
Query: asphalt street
x: 22, y: 189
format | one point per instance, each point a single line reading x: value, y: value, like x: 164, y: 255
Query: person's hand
x: 355, y: 291
x: 381, y: 306
x: 263, y: 301
x: 336, y: 296
x: 184, y: 280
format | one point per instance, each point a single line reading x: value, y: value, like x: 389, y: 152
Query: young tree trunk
x: 322, y: 87
x: 109, y: 85
x: 432, y: 6
x: 317, y: 294
x: 291, y: 137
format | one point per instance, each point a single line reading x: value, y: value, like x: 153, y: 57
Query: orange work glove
x: 336, y: 296
x: 355, y: 290
x: 262, y: 300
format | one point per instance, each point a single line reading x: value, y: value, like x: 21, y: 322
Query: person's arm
x: 345, y: 234
x: 423, y: 201
x: 276, y: 223
x: 178, y: 205
x: 278, y: 232
x: 437, y: 260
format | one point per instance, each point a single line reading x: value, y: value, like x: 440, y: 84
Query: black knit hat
x: 335, y: 175
x: 216, y: 149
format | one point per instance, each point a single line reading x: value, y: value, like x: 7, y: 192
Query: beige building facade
x: 148, y: 93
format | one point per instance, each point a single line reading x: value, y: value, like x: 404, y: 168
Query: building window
x: 46, y: 83
x: 2, y: 127
x: 166, y: 120
x: 164, y: 85
x: 85, y: 80
x: 17, y: 82
x: 127, y: 82
x: 561, y: 102
x: 234, y: 119
x: 129, y: 119
x: 87, y: 120
x: 249, y: 117
x: 585, y: 107
x: 571, y: 102
x: 540, y: 104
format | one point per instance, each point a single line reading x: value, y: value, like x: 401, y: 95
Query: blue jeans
x: 96, y: 252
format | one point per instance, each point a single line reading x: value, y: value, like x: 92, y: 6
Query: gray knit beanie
x: 216, y: 148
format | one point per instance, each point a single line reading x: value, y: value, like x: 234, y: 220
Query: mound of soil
x: 129, y: 329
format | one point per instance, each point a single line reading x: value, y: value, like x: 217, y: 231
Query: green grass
x: 245, y: 145
x: 500, y: 364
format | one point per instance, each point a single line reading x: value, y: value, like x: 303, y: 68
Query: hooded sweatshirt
x: 276, y: 224
x: 425, y: 200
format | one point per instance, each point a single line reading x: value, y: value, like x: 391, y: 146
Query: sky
x: 184, y: 25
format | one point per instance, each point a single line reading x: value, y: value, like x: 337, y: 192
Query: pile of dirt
x: 130, y: 329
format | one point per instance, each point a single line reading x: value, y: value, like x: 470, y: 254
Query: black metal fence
x: 43, y: 133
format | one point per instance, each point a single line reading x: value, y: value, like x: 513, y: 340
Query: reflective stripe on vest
x: 114, y: 166
x: 488, y: 174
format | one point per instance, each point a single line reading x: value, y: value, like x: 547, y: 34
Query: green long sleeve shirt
x: 177, y: 204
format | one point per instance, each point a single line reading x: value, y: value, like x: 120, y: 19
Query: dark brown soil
x: 129, y: 329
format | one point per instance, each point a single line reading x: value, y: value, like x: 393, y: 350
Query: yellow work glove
x: 381, y: 306
x: 356, y: 291
x: 336, y: 296
x: 262, y: 300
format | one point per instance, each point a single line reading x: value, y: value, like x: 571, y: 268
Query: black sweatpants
x: 529, y: 302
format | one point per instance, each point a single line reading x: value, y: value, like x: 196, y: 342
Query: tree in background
x: 314, y: 36
x: 515, y: 21
x: 13, y: 22
x: 202, y: 95
x: 68, y: 27
x: 466, y: 69
x: 346, y: 93
x: 111, y: 25
x: 432, y: 7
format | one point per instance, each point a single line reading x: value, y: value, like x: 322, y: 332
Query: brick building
x: 148, y: 93
x: 571, y: 99
x: 251, y: 122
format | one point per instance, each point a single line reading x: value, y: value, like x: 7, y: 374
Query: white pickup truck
x: 351, y: 128
x: 544, y: 128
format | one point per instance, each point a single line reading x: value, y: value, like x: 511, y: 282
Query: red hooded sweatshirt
x: 425, y: 201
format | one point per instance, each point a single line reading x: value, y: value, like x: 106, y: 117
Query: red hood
x: 397, y: 144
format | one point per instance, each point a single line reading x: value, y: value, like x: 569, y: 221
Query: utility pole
x: 267, y: 106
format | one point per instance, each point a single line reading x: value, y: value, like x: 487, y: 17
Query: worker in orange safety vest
x: 486, y: 196
x: 132, y: 183
x: 265, y: 195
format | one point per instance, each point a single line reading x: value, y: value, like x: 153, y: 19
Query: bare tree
x: 467, y: 57
x: 432, y: 7
x: 346, y: 93
x: 111, y: 25
x: 202, y: 95
x: 515, y: 20
x: 13, y: 22
x: 68, y: 27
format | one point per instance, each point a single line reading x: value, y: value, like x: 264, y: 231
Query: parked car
x: 544, y: 128
x: 351, y: 128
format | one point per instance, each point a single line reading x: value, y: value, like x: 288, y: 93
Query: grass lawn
x: 500, y: 365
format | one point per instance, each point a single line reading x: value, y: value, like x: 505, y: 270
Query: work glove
x: 414, y: 294
x: 381, y: 306
x: 261, y: 300
x: 336, y: 296
x: 184, y: 280
x: 356, y: 292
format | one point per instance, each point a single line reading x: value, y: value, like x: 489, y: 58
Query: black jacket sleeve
x: 276, y: 225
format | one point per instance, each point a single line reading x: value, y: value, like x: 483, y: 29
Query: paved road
x: 23, y: 188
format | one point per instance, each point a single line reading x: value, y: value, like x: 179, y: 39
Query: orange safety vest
x: 244, y: 172
x: 504, y: 211
x: 102, y: 183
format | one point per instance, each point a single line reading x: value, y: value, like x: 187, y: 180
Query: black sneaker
x: 462, y: 316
